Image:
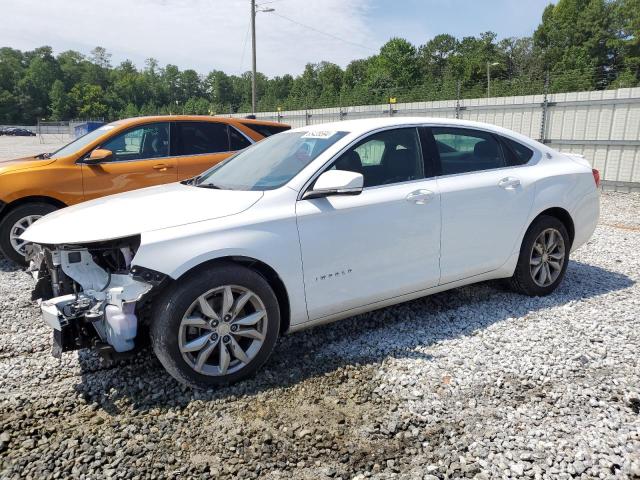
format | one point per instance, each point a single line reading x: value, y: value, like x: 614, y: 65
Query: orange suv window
x: 198, y: 138
x: 146, y: 141
x: 266, y: 130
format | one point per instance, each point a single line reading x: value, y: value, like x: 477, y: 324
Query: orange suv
x: 123, y: 155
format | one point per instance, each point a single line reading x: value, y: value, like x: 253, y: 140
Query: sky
x: 214, y: 34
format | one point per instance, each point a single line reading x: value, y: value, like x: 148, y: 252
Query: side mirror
x: 336, y: 182
x: 99, y: 155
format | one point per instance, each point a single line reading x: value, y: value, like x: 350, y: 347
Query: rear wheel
x: 216, y: 327
x: 543, y: 259
x: 14, y: 224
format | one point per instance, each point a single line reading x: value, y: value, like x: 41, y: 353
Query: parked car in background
x: 310, y: 226
x: 17, y: 132
x: 121, y: 156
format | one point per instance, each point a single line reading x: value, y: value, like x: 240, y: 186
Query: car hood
x: 136, y: 212
x: 23, y: 163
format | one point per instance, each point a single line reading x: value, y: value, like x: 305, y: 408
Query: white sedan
x: 307, y: 227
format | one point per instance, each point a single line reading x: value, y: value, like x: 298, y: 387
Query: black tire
x: 10, y: 219
x: 522, y: 280
x: 175, y: 302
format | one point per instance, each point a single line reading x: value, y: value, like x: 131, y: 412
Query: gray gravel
x: 477, y: 382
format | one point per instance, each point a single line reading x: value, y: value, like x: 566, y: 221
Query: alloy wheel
x: 547, y: 257
x: 18, y: 229
x: 222, y: 330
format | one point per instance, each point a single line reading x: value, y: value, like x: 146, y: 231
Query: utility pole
x: 488, y: 80
x: 253, y: 56
x: 545, y: 109
x: 458, y: 99
x: 253, y: 51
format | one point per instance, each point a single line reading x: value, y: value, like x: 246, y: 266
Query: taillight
x: 596, y: 176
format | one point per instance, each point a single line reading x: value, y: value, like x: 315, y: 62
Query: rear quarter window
x: 237, y: 141
x: 517, y: 154
x: 267, y: 130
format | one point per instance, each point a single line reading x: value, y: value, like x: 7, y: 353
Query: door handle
x: 509, y: 183
x: 419, y: 197
x: 162, y: 167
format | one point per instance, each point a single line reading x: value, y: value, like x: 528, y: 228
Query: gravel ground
x: 477, y: 382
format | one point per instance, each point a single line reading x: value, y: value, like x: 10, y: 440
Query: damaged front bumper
x: 90, y: 306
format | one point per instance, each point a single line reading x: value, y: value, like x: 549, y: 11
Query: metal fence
x: 54, y: 128
x: 604, y: 126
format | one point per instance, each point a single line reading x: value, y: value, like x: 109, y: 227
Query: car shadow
x: 400, y: 331
x: 8, y: 265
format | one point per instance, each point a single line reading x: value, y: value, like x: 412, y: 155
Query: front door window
x: 140, y: 143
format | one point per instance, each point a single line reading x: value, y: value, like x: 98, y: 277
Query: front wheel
x: 543, y: 259
x: 216, y: 327
x: 14, y: 224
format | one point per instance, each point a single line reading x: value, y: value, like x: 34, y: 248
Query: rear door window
x: 199, y: 138
x: 466, y: 150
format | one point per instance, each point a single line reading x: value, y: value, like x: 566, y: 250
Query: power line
x: 324, y: 33
x: 244, y: 48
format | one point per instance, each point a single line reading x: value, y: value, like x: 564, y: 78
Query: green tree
x: 96, y: 70
x: 33, y: 88
x: 330, y: 78
x: 355, y: 83
x: 89, y: 101
x: 9, y: 108
x: 219, y: 88
x: 73, y: 66
x: 575, y: 40
x: 170, y: 78
x: 197, y: 106
x: 190, y: 85
x: 11, y: 68
x: 130, y: 111
x: 435, y: 55
x: 396, y: 65
x: 626, y: 42
x: 60, y: 107
x: 100, y: 57
x: 585, y: 44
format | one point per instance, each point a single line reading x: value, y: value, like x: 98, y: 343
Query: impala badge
x: 329, y: 276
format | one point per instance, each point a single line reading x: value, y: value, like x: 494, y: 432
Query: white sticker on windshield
x: 106, y: 127
x: 319, y: 134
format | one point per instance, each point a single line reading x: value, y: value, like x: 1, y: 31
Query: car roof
x: 364, y: 125
x: 200, y: 118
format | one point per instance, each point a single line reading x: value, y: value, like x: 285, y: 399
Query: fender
x: 8, y: 206
x: 573, y: 192
x: 274, y: 243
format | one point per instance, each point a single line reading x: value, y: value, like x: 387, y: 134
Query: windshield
x: 81, y: 142
x: 270, y: 163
